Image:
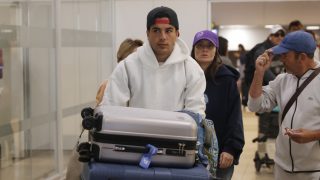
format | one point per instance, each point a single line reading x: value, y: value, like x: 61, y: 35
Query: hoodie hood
x: 226, y: 70
x: 179, y: 54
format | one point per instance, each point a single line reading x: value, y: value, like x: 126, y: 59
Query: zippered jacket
x: 304, y: 113
x: 224, y: 109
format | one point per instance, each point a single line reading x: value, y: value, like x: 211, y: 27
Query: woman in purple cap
x: 222, y: 97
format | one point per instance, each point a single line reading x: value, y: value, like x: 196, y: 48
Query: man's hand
x: 263, y: 62
x: 302, y: 135
x: 226, y: 160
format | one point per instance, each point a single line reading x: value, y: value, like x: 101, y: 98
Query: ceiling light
x: 312, y: 27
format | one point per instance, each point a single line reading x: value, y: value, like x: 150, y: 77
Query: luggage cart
x: 268, y: 129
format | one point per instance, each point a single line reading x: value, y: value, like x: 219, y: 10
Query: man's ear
x: 302, y: 57
x: 147, y: 31
x: 178, y: 33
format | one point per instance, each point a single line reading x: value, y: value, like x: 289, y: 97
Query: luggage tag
x: 146, y: 158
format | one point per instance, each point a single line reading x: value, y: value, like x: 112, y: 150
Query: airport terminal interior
x: 54, y: 54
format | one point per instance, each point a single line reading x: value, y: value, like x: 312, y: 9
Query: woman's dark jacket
x: 224, y: 108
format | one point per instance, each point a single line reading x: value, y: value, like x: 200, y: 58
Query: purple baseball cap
x: 208, y: 35
x: 298, y: 41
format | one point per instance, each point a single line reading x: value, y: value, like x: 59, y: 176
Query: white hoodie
x: 304, y: 113
x: 139, y: 81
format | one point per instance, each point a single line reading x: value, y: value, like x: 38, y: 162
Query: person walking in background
x: 276, y: 35
x: 161, y: 69
x: 295, y: 25
x: 127, y: 47
x: 297, y: 145
x: 268, y: 121
x: 223, y: 51
x: 222, y: 101
x: 317, y: 51
x: 240, y: 54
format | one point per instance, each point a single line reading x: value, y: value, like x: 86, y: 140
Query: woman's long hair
x: 212, y: 69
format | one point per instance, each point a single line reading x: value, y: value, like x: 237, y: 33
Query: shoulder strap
x: 298, y: 92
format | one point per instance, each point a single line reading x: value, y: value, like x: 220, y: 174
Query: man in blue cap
x: 298, y: 142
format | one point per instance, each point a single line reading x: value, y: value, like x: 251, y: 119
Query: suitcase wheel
x: 83, y: 146
x: 257, y: 162
x: 84, y: 152
x: 269, y: 162
x: 88, y: 122
x: 84, y: 159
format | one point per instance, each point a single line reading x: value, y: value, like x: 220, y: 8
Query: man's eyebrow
x: 155, y: 27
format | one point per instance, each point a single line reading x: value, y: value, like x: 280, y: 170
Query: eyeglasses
x: 201, y: 46
x: 279, y: 33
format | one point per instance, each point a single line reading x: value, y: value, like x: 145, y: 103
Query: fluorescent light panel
x: 313, y: 27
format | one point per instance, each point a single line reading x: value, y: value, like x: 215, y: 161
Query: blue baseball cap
x: 208, y: 35
x: 298, y: 41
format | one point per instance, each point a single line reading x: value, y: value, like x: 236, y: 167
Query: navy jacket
x: 224, y: 108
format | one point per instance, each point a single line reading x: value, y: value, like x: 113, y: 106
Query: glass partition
x: 29, y: 83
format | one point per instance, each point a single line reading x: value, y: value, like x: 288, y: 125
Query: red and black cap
x: 162, y: 15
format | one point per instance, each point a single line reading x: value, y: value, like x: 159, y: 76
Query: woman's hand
x: 226, y: 160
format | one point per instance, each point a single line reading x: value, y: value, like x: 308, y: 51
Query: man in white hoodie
x: 298, y: 142
x: 160, y: 74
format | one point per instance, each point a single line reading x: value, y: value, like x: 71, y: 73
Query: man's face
x: 290, y: 61
x: 162, y: 38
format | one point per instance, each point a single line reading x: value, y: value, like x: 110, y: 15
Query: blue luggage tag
x: 146, y: 158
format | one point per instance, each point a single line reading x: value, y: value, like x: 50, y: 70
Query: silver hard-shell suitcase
x: 124, y: 133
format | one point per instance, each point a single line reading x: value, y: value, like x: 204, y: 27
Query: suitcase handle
x: 142, y: 150
x: 135, y: 149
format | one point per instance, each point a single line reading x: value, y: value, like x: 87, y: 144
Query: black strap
x: 298, y: 92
